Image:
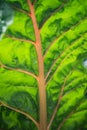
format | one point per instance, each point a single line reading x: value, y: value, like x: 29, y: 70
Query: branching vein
x: 21, y: 112
x: 19, y: 39
x: 59, y: 100
x: 56, y: 39
x: 17, y: 69
x: 21, y: 10
x: 69, y: 47
x: 56, y: 10
x: 69, y: 115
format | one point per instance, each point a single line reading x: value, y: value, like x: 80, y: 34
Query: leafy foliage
x: 62, y: 25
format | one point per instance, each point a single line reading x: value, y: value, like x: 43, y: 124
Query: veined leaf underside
x: 42, y: 73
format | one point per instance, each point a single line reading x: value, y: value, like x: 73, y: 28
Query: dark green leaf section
x: 44, y: 10
x: 24, y: 101
x: 10, y: 120
x: 19, y: 4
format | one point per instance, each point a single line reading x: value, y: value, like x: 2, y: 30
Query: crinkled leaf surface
x: 63, y: 31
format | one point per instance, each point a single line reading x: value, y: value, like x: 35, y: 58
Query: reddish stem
x: 41, y: 79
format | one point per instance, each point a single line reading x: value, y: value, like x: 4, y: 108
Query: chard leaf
x: 43, y: 64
